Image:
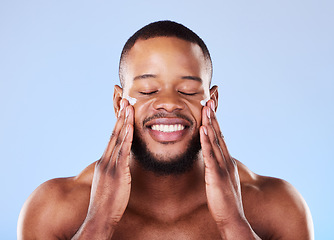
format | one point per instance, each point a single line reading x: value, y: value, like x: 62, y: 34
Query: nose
x: 168, y: 101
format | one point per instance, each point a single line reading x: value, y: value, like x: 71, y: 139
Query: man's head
x: 167, y: 69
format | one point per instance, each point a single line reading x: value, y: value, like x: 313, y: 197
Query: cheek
x: 198, y: 116
x: 142, y: 110
x: 195, y: 108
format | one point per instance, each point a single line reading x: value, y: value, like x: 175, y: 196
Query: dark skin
x: 115, y: 198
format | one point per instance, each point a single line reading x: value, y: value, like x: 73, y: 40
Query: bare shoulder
x: 56, y: 207
x: 275, y: 203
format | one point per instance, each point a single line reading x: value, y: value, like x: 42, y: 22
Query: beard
x: 164, y: 165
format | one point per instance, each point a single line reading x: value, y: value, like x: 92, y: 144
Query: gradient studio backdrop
x: 273, y: 62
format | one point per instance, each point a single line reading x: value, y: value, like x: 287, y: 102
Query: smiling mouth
x: 168, y: 128
x: 165, y: 129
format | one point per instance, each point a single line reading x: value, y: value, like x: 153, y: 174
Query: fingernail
x: 208, y: 112
x: 212, y: 105
x: 205, y: 131
x: 127, y: 112
x: 122, y: 105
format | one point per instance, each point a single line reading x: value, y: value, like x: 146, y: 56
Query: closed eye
x: 188, y: 94
x: 148, y: 93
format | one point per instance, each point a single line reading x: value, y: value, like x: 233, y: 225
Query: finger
x: 215, y: 125
x: 125, y: 148
x: 115, y: 133
x: 129, y: 120
x: 130, y: 116
x: 207, y: 149
x: 206, y: 121
x: 210, y: 162
x: 214, y: 120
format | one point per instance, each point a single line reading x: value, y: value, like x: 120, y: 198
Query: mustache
x: 167, y: 115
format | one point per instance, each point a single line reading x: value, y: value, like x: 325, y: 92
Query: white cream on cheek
x: 131, y: 100
x: 204, y: 101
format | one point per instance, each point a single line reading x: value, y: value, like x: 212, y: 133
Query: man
x: 166, y: 172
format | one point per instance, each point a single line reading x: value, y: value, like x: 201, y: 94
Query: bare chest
x: 197, y: 225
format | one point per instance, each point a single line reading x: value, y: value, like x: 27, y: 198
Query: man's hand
x: 222, y: 180
x: 111, y: 184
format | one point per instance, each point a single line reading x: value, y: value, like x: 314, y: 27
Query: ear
x: 214, y: 95
x: 118, y: 93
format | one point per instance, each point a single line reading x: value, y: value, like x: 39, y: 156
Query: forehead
x: 165, y: 56
x: 163, y: 44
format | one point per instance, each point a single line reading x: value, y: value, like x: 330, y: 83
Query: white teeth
x: 168, y: 128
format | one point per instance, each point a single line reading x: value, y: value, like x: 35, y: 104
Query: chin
x: 171, y: 158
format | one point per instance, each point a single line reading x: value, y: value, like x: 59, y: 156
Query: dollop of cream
x: 131, y: 100
x: 204, y: 101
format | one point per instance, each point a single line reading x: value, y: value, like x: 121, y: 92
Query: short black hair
x: 164, y: 29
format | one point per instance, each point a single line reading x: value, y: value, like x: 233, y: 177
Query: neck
x: 154, y: 193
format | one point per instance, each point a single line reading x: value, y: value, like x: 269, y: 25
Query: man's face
x: 168, y: 77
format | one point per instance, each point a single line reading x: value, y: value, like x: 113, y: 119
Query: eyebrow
x: 193, y: 78
x: 145, y: 76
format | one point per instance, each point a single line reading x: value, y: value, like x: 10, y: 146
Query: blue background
x: 273, y: 62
